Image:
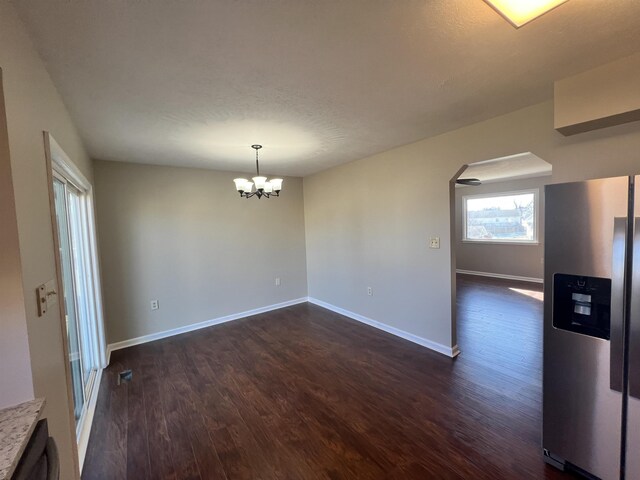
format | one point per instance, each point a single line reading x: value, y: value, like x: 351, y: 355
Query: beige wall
x: 185, y: 237
x: 33, y: 105
x: 604, y: 96
x: 368, y: 222
x: 15, y: 371
x: 519, y: 260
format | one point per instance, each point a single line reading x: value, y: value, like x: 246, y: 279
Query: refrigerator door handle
x: 634, y: 324
x: 617, y: 302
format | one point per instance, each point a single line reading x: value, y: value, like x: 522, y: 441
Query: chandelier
x: 264, y: 188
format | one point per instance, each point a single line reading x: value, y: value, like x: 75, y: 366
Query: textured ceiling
x: 319, y: 83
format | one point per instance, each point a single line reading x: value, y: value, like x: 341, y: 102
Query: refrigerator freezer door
x: 581, y: 413
x: 633, y: 439
x: 634, y: 325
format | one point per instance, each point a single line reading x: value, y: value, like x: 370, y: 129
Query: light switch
x: 435, y: 242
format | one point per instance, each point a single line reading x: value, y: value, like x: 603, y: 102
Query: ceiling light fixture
x: 474, y: 182
x: 264, y: 188
x: 521, y: 12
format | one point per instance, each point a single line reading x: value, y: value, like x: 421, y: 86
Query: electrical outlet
x: 370, y: 291
x: 435, y: 242
x: 155, y: 305
x: 277, y: 281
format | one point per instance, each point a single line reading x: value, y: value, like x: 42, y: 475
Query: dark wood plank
x: 138, y: 465
x: 304, y: 393
x: 158, y: 442
x: 96, y: 456
x: 109, y: 454
x: 175, y: 399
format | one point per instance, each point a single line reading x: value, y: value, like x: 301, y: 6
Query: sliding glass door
x: 79, y: 285
x: 76, y: 278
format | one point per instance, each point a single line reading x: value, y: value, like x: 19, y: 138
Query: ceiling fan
x: 469, y: 181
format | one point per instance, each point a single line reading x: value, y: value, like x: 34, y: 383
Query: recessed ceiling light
x: 520, y: 12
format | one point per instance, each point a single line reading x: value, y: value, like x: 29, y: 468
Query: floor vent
x: 125, y: 376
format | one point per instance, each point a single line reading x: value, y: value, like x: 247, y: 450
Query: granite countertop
x: 16, y: 426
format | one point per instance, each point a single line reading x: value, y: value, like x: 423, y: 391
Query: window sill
x: 498, y: 242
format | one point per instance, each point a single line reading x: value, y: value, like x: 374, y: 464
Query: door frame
x: 60, y: 166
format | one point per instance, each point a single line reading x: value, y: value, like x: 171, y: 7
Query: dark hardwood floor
x: 304, y: 393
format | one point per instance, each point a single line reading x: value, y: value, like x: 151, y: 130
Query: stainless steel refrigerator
x: 591, y: 378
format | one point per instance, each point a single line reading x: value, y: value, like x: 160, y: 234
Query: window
x: 510, y: 217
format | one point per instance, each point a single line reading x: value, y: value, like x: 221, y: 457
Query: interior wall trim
x: 83, y: 438
x: 431, y: 345
x: 500, y: 275
x: 197, y: 326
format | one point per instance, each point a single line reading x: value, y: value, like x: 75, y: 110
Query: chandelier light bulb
x: 276, y: 183
x: 259, y: 181
x: 240, y: 183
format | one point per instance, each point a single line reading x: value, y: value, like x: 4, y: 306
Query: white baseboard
x: 438, y: 347
x: 197, y: 326
x: 500, y: 275
x: 83, y: 438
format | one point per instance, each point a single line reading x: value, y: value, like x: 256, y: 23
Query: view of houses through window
x: 505, y: 217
